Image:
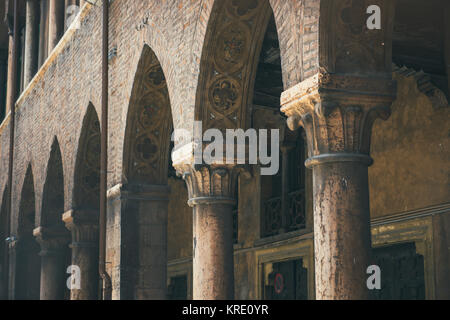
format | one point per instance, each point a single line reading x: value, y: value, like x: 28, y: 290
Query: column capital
x: 210, y: 184
x: 84, y: 226
x: 52, y: 240
x: 337, y: 112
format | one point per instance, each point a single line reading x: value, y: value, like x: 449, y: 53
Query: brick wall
x: 56, y: 103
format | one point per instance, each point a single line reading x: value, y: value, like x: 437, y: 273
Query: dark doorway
x: 402, y: 273
x: 288, y: 281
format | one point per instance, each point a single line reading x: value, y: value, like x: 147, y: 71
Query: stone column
x: 84, y: 228
x: 137, y: 218
x: 56, y: 23
x: 337, y: 113
x: 11, y: 277
x: 10, y: 88
x: 43, y: 32
x: 212, y: 196
x: 68, y: 12
x: 53, y: 267
x: 31, y: 41
x: 3, y: 72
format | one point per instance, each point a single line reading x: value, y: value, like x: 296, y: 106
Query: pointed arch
x: 145, y: 183
x: 149, y: 124
x: 53, y: 194
x: 86, y: 193
x: 233, y: 41
x: 28, y: 262
x: 27, y: 208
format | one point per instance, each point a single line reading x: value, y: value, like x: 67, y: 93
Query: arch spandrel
x: 87, y: 171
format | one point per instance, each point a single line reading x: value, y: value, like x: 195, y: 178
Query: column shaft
x: 84, y: 228
x: 3, y: 72
x: 10, y: 89
x: 338, y: 128
x: 213, y: 252
x: 143, y: 241
x: 85, y: 256
x: 212, y: 195
x: 31, y: 41
x: 43, y: 32
x: 68, y: 11
x: 54, y: 245
x: 56, y: 23
x: 152, y: 222
x: 341, y: 230
x: 53, y: 275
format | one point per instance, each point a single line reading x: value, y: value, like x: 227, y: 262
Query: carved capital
x: 210, y: 184
x: 337, y: 113
x: 52, y: 240
x: 84, y: 227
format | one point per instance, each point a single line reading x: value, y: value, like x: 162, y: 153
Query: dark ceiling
x: 418, y: 43
x: 418, y: 40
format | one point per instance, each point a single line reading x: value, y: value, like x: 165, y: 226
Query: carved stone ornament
x: 83, y: 225
x: 229, y: 60
x: 52, y: 240
x: 211, y: 184
x: 337, y: 113
x: 150, y: 125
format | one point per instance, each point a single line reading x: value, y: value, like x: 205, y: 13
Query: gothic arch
x: 149, y: 125
x: 87, y: 170
x: 229, y: 62
x: 53, y: 194
x: 145, y: 183
x: 52, y: 234
x: 27, y: 271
